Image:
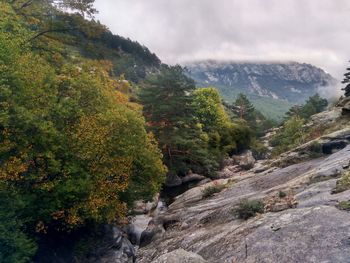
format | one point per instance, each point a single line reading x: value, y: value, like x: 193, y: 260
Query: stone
x: 192, y: 177
x: 245, y: 160
x: 304, y: 226
x: 172, y: 180
x: 179, y: 256
x: 153, y: 230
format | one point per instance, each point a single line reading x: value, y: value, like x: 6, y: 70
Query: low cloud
x: 311, y: 31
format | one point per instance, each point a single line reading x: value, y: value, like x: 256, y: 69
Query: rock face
x: 180, y: 256
x: 291, y: 81
x: 302, y: 225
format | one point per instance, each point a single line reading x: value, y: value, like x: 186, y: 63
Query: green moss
x: 247, y: 209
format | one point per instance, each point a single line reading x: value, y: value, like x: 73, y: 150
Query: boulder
x: 153, y: 230
x: 192, y: 177
x: 245, y: 160
x: 344, y: 104
x: 172, y: 180
x: 142, y: 207
x: 180, y: 256
x: 228, y: 161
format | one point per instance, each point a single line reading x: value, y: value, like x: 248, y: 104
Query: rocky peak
x: 290, y: 81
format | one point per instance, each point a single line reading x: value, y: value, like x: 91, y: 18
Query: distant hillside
x: 272, y: 87
x: 93, y: 40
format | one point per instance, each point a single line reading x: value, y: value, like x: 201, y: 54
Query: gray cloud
x: 312, y: 31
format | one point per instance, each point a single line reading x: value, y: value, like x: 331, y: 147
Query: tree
x: 291, y: 135
x: 209, y: 109
x: 83, y: 7
x: 167, y: 98
x: 346, y: 81
x: 313, y: 105
x: 71, y: 144
x: 224, y: 135
x: 244, y: 108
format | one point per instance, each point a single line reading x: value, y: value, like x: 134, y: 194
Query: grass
x: 247, y: 209
x: 343, y: 184
x: 212, y: 189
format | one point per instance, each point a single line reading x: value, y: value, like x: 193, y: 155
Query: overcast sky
x: 312, y: 31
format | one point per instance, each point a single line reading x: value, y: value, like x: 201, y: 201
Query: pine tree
x: 244, y: 108
x: 346, y: 81
x: 167, y: 99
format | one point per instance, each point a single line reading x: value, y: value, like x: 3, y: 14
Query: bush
x: 344, y: 205
x: 291, y: 135
x: 260, y: 151
x: 247, y: 209
x: 282, y: 194
x: 212, y: 189
x: 343, y: 184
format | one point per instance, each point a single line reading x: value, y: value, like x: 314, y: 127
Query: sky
x: 178, y: 31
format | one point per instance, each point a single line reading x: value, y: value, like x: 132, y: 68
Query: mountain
x: 272, y: 87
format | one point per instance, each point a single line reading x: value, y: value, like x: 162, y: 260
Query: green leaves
x: 73, y: 149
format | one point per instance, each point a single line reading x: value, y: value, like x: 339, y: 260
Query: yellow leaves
x: 58, y: 215
x: 13, y: 168
x: 73, y: 219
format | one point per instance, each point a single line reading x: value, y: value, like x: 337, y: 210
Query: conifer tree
x: 346, y: 81
x: 167, y: 99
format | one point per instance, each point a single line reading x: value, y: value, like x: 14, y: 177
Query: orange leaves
x: 13, y: 168
x: 41, y: 228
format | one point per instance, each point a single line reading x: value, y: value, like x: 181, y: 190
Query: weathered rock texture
x: 305, y: 225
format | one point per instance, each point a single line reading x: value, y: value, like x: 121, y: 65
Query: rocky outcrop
x: 326, y: 144
x: 292, y: 82
x: 344, y: 104
x: 304, y: 225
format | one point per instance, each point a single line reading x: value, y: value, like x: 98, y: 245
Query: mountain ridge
x: 279, y: 84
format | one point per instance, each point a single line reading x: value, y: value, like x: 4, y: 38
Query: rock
x: 229, y: 171
x: 172, y: 180
x: 141, y: 207
x: 245, y: 160
x: 326, y: 144
x: 304, y: 226
x: 192, y: 177
x: 344, y: 103
x: 205, y: 181
x: 326, y: 117
x: 122, y: 250
x: 277, y: 204
x: 179, y: 256
x: 333, y: 146
x: 228, y: 161
x: 153, y: 230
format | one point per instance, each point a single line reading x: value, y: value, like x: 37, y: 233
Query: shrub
x: 343, y: 184
x: 247, y: 209
x: 260, y: 151
x: 282, y: 194
x: 344, y: 205
x: 212, y: 189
